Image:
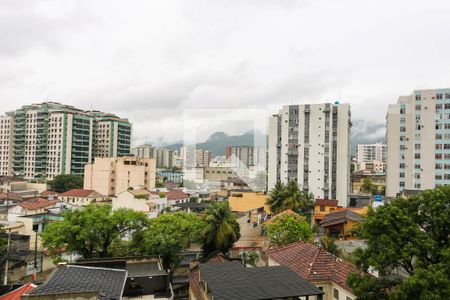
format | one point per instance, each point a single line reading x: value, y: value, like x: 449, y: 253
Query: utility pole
x: 5, y: 279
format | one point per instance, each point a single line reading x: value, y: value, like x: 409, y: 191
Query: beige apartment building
x: 111, y: 176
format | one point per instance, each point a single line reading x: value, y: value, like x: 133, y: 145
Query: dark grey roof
x: 71, y: 278
x: 231, y: 280
x: 341, y: 216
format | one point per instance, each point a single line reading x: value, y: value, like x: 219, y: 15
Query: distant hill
x: 362, y: 133
x: 218, y: 141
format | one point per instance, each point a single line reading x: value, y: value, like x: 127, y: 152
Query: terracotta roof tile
x: 77, y: 193
x: 326, y: 202
x: 15, y: 295
x: 314, y: 263
x: 339, y: 217
x: 176, y: 195
x: 45, y: 194
x: 37, y: 203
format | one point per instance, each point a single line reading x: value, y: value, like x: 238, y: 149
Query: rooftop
x: 339, y: 217
x: 313, y: 263
x: 15, y: 294
x: 109, y: 283
x: 37, y: 203
x: 176, y: 195
x: 78, y: 193
x: 232, y: 280
x: 327, y: 202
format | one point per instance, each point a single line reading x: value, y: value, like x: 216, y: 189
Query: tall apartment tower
x: 246, y: 155
x: 371, y: 152
x: 418, y: 141
x: 202, y: 157
x: 40, y: 141
x: 164, y: 157
x: 311, y: 145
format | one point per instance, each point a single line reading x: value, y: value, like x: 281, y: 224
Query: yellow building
x: 248, y: 201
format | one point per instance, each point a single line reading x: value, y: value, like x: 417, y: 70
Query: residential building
x: 247, y: 201
x: 164, y: 157
x: 418, y: 141
x: 245, y: 156
x: 176, y: 197
x: 145, y: 276
x: 171, y: 176
x: 323, y: 207
x: 113, y: 175
x: 378, y: 180
x: 140, y: 199
x: 81, y: 282
x: 375, y: 165
x: 40, y: 141
x: 341, y: 223
x: 20, y: 186
x: 371, y: 152
x: 324, y: 270
x: 202, y: 157
x: 80, y: 197
x: 310, y: 144
x: 230, y: 280
x: 30, y: 207
x: 218, y: 173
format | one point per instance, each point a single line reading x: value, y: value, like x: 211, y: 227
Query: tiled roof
x: 139, y: 192
x: 15, y: 295
x: 109, y: 283
x: 232, y: 280
x: 326, y: 202
x: 45, y: 194
x: 339, y: 217
x: 176, y: 195
x: 37, y: 203
x: 11, y: 196
x: 314, y: 263
x: 286, y: 212
x: 78, y: 193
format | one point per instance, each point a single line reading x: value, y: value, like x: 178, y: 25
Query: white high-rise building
x: 418, y: 141
x: 311, y: 145
x: 371, y: 152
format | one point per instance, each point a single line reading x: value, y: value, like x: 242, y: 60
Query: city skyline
x: 126, y: 58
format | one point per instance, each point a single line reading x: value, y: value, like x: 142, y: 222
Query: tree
x: 250, y: 258
x: 296, y: 199
x: 286, y: 229
x: 62, y: 183
x: 221, y: 230
x: 93, y: 230
x: 410, y: 236
x: 329, y: 244
x: 290, y: 196
x: 276, y: 198
x: 366, y: 185
x: 169, y: 234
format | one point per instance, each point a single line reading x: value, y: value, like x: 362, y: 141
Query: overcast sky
x: 148, y: 60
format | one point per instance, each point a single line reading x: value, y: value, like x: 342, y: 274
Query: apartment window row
x: 442, y: 166
x: 443, y: 106
x: 442, y: 156
x: 442, y: 177
x: 442, y: 146
x: 441, y: 96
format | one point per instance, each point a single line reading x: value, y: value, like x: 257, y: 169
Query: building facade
x: 113, y: 175
x: 165, y: 158
x: 418, y: 141
x: 202, y: 157
x: 311, y: 145
x: 371, y: 152
x: 40, y: 141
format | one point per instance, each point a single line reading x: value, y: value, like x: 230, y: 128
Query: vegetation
x: 221, y: 230
x: 409, y: 236
x: 159, y: 184
x: 367, y: 186
x: 329, y: 244
x: 93, y: 230
x: 290, y: 196
x: 63, y: 183
x: 287, y: 229
x: 250, y: 258
x: 3, y: 241
x: 169, y: 234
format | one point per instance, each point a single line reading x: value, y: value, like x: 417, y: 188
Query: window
x: 417, y: 146
x: 402, y: 129
x: 335, y: 294
x: 416, y: 155
x: 417, y: 175
x: 418, y: 97
x: 439, y: 96
x: 447, y: 106
x: 322, y: 208
x: 402, y: 184
x: 417, y: 106
x: 447, y: 95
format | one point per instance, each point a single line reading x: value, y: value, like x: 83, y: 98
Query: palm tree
x: 297, y: 199
x: 221, y: 230
x: 277, y: 196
